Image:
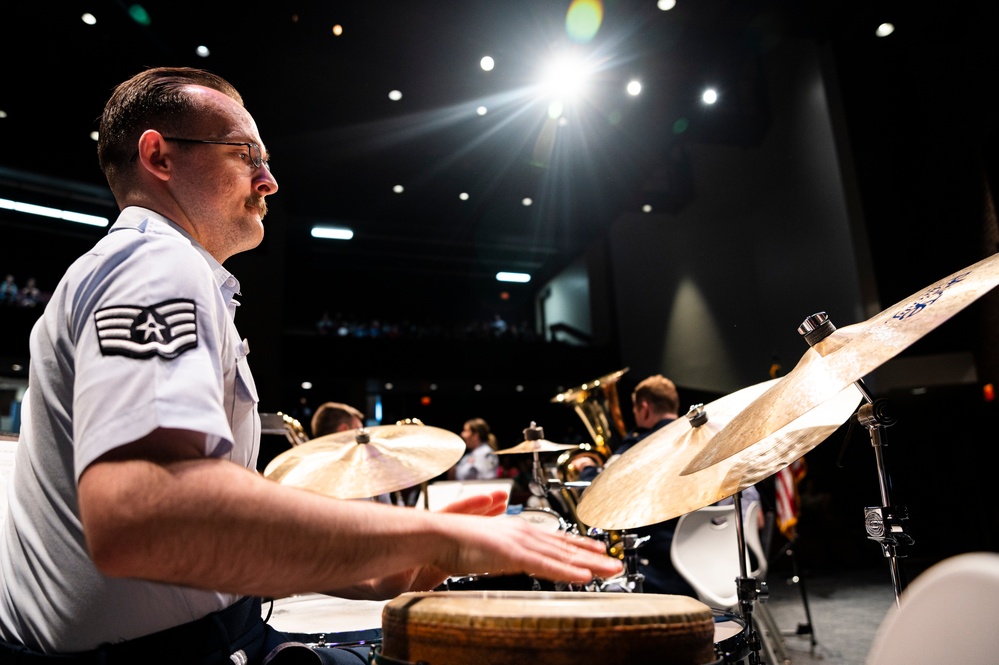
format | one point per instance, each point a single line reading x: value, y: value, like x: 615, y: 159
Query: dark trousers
x: 234, y: 636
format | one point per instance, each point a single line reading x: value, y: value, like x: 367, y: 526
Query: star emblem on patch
x: 165, y: 329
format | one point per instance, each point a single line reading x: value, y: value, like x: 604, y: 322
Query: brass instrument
x: 282, y: 423
x: 596, y: 403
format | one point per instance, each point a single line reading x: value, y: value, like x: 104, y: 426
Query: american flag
x: 787, y: 479
x: 788, y: 502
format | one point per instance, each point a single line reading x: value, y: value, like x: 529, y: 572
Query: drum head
x: 556, y: 628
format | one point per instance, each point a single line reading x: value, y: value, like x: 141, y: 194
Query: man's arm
x: 156, y: 509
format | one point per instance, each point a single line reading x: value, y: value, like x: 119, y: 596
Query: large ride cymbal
x: 847, y: 355
x: 645, y: 485
x: 362, y: 463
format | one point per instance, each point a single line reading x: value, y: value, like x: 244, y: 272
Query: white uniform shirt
x: 480, y: 463
x: 138, y: 335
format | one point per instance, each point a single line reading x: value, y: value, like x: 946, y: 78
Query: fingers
x: 489, y: 505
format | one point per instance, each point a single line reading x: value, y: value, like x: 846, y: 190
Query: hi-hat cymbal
x: 536, y: 446
x: 362, y: 463
x: 645, y: 485
x: 847, y: 355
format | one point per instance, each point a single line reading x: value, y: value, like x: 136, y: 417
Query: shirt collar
x: 135, y: 217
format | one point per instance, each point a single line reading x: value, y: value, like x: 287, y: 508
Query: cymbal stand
x: 747, y: 588
x: 884, y: 524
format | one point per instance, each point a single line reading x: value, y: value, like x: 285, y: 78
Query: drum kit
x: 715, y: 453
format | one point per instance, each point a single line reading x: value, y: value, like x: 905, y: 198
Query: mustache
x: 258, y: 202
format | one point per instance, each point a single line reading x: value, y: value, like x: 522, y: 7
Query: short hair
x: 152, y: 99
x: 330, y: 415
x: 659, y: 392
x: 481, y: 428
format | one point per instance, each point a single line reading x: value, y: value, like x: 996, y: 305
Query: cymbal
x: 645, y: 485
x: 847, y: 355
x: 536, y: 446
x: 362, y: 463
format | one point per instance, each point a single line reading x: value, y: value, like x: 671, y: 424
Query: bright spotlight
x: 566, y: 78
x: 634, y: 88
x: 332, y: 232
x: 666, y: 5
x: 555, y: 110
x: 463, y: 196
x: 517, y: 277
x: 710, y: 96
x: 885, y: 29
x: 487, y: 64
x: 398, y: 189
x: 395, y: 95
x: 482, y: 110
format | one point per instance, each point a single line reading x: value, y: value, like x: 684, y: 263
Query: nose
x: 264, y: 181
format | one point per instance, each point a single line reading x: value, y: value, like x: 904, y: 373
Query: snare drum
x: 731, y: 637
x: 555, y: 628
x: 320, y: 620
x: 543, y: 518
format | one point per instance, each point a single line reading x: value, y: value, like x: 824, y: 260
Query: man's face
x: 222, y: 194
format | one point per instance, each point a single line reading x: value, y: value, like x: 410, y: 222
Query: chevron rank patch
x: 166, y: 329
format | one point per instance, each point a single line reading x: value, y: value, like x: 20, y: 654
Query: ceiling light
x: 89, y: 18
x: 395, y: 95
x: 55, y: 213
x: 463, y: 196
x: 885, y: 29
x: 527, y: 201
x: 332, y: 232
x: 482, y: 110
x: 634, y: 88
x: 518, y: 277
x: 337, y: 30
x: 666, y: 5
x: 398, y: 189
x: 202, y: 51
x: 94, y: 135
x: 710, y: 96
x: 306, y: 385
x: 646, y: 208
x: 487, y: 63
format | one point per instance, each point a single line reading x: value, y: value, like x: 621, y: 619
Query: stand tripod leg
x: 806, y: 628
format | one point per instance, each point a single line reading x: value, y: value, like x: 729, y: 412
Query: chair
x: 705, y: 551
x: 946, y: 615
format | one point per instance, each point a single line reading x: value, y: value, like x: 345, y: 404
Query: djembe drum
x: 555, y: 628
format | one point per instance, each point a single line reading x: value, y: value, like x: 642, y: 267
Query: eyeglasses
x: 252, y: 149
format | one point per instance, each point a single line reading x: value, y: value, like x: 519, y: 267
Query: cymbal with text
x: 363, y: 463
x: 847, y: 355
x: 645, y: 485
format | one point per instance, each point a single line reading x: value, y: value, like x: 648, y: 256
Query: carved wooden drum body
x: 555, y: 628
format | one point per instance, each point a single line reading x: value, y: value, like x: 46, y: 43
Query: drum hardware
x: 541, y: 485
x: 631, y: 543
x: 367, y: 462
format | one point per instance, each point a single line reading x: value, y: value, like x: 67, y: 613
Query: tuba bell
x: 596, y: 403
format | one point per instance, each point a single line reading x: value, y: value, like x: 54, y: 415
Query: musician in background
x: 655, y: 403
x: 480, y: 461
x: 333, y: 417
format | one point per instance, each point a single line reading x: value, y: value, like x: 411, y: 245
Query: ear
x: 155, y: 155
